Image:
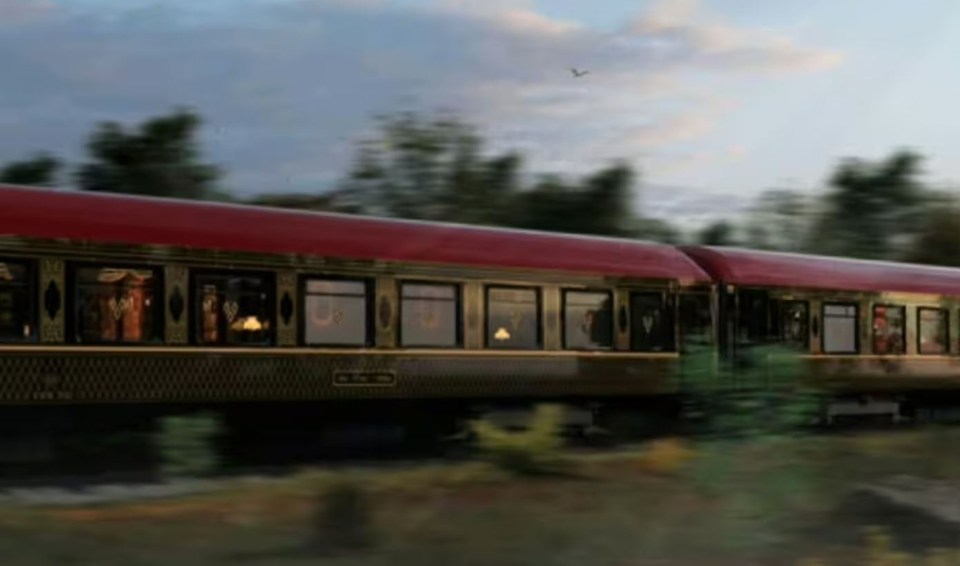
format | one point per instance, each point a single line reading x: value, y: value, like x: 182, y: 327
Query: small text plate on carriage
x: 364, y: 378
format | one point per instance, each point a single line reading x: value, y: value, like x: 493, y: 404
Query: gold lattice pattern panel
x: 86, y: 378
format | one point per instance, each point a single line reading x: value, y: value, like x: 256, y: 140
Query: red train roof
x: 772, y: 269
x: 45, y: 213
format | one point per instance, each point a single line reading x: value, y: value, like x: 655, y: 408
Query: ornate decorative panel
x: 177, y: 282
x: 287, y: 308
x: 52, y: 300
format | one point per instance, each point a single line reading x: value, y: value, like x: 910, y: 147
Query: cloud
x: 682, y: 26
x: 286, y: 85
x: 14, y: 12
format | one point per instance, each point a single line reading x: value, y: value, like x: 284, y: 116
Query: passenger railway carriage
x: 124, y: 301
x: 883, y: 334
x: 118, y: 299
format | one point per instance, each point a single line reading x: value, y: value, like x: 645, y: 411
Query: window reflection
x: 116, y: 305
x: 335, y: 312
x: 513, y: 318
x: 587, y: 320
x: 16, y: 303
x: 233, y: 309
x: 932, y: 331
x: 428, y: 315
x: 794, y: 324
x: 889, y: 330
x: 650, y: 323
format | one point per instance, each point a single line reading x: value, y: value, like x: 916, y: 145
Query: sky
x: 712, y: 101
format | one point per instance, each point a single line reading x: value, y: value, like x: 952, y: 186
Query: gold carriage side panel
x: 127, y: 375
x: 52, y: 300
x: 474, y: 315
x: 552, y: 333
x: 176, y: 296
x: 621, y: 320
x: 873, y: 373
x: 288, y: 308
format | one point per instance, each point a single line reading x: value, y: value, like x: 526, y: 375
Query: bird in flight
x: 577, y: 74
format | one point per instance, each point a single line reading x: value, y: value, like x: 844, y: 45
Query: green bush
x: 761, y: 394
x: 187, y: 444
x: 537, y: 450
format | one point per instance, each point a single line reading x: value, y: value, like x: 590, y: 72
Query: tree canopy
x: 158, y: 158
x: 39, y: 170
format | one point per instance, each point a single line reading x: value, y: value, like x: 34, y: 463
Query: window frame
x: 946, y: 331
x: 903, y: 335
x: 563, y: 319
x: 538, y: 293
x: 271, y: 289
x: 31, y: 285
x: 856, y: 327
x: 458, y: 310
x: 72, y: 294
x: 369, y: 299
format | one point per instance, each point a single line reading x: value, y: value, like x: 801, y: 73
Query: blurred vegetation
x: 536, y: 450
x: 39, y: 170
x: 159, y: 158
x: 342, y: 519
x: 439, y: 168
x: 187, y: 444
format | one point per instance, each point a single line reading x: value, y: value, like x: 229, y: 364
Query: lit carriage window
x: 794, y: 324
x: 839, y: 329
x: 889, y: 329
x: 233, y: 309
x: 651, y: 326
x: 587, y: 320
x: 428, y: 315
x: 117, y: 304
x: 513, y: 318
x: 932, y: 335
x: 335, y: 313
x: 17, y: 314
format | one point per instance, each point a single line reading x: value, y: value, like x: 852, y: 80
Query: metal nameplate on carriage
x: 364, y: 379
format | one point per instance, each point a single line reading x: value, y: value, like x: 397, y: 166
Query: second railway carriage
x: 886, y: 335
x: 129, y: 300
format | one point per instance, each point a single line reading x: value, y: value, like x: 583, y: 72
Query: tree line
x: 438, y: 168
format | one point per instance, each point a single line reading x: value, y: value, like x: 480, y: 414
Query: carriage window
x: 754, y: 317
x: 889, y: 329
x: 795, y: 317
x: 513, y: 318
x: 117, y: 304
x: 932, y: 335
x: 335, y: 313
x: 429, y: 315
x: 839, y: 329
x: 16, y: 303
x: 696, y: 326
x: 651, y: 326
x: 233, y: 309
x: 587, y: 320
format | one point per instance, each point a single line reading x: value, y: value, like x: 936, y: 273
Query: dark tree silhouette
x: 40, y: 170
x: 159, y: 158
x: 872, y: 208
x: 717, y: 234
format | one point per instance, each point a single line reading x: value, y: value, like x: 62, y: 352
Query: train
x: 129, y: 304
